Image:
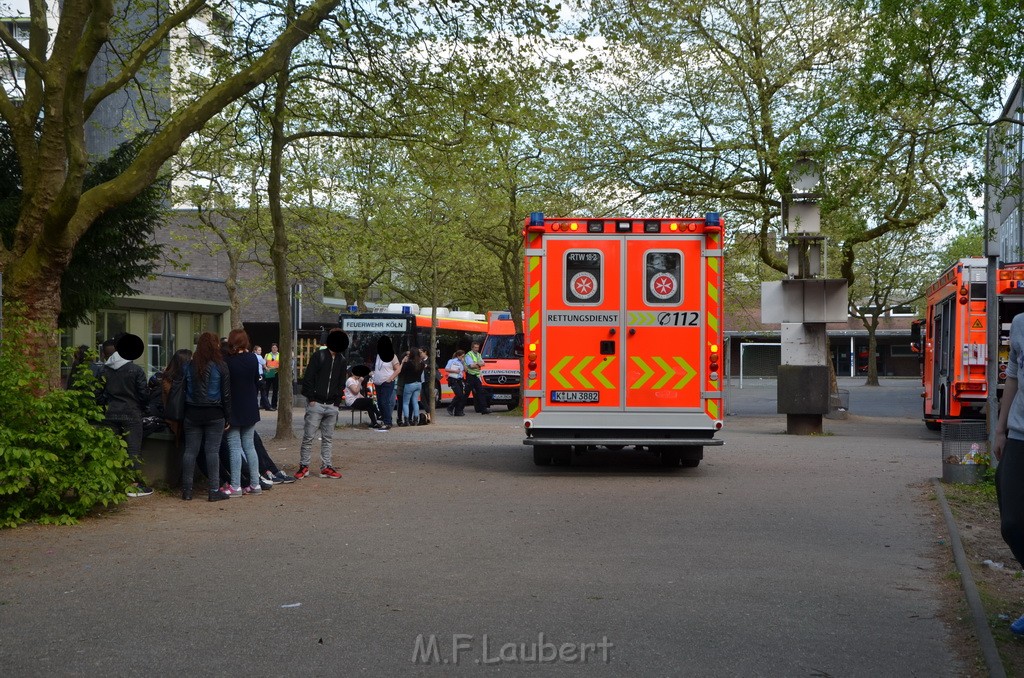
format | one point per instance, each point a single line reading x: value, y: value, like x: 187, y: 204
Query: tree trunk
x: 872, y: 355
x: 279, y: 257
x: 231, y: 283
x: 33, y: 282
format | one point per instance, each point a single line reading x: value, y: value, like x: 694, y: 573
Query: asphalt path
x: 445, y: 551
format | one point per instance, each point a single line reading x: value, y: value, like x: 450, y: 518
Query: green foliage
x: 120, y: 241
x: 57, y: 461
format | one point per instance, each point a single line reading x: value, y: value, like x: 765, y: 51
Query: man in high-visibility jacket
x: 474, y: 365
x: 273, y: 359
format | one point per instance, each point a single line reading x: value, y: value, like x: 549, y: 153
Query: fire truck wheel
x: 561, y: 455
x: 690, y: 463
x: 541, y: 455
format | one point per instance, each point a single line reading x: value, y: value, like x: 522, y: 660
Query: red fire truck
x: 953, y: 338
x: 623, y: 333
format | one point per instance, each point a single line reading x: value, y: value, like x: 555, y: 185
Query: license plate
x: 575, y: 396
x: 501, y: 396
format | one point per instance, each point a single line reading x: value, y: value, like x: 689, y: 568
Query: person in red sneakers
x: 323, y: 387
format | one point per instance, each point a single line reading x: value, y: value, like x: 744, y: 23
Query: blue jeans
x: 386, y: 401
x: 241, y: 440
x: 319, y: 417
x: 411, y: 402
x: 206, y: 434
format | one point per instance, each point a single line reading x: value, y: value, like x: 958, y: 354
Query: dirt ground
x: 1001, y: 584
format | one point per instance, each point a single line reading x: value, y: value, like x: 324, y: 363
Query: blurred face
x: 258, y: 350
x: 273, y: 348
x: 476, y: 347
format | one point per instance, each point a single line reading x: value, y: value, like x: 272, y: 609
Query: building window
x: 109, y: 324
x: 204, y: 322
x: 160, y: 340
x: 903, y: 310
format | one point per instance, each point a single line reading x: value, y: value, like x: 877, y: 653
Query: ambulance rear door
x: 582, y: 365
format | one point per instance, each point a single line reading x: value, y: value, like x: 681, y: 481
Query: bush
x: 57, y: 462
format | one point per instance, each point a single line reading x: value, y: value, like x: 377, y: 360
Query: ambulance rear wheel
x: 670, y: 458
x: 542, y: 455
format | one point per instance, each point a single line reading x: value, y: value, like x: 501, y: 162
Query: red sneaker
x: 328, y: 472
x: 303, y: 472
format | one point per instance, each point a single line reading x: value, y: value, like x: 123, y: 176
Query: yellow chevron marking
x: 597, y: 373
x: 669, y: 372
x: 534, y: 263
x: 532, y: 408
x: 713, y: 264
x: 688, y: 373
x: 577, y: 372
x: 556, y: 371
x: 712, y: 323
x: 648, y: 372
x: 534, y: 290
x: 534, y: 320
x: 713, y: 408
x: 641, y: 318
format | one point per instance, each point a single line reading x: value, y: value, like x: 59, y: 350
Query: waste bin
x: 964, y: 451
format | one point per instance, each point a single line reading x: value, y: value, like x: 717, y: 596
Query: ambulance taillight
x: 713, y: 362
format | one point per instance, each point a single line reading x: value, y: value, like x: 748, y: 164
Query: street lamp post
x: 803, y: 303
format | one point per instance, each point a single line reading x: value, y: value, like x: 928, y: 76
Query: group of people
x: 376, y: 391
x: 211, y: 399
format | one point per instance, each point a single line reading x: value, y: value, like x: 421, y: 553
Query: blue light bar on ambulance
x: 536, y: 218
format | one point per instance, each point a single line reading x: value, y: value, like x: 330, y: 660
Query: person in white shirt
x: 456, y: 370
x: 355, y: 399
x: 385, y: 371
x: 262, y: 386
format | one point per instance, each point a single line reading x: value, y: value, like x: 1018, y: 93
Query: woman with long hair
x: 410, y: 379
x: 207, y: 409
x: 244, y: 371
x: 172, y: 379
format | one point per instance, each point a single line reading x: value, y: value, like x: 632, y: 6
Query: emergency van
x: 623, y: 334
x: 503, y: 357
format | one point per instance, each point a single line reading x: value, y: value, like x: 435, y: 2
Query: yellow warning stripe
x: 533, y: 406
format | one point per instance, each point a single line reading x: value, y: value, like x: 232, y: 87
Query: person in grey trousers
x: 323, y: 386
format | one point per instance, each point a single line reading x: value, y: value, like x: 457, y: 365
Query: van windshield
x: 502, y: 346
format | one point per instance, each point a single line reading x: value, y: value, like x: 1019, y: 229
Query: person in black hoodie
x: 126, y: 395
x: 323, y: 388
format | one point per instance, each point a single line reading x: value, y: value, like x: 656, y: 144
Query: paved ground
x: 778, y: 556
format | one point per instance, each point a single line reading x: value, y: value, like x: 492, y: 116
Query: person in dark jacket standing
x: 126, y: 395
x: 207, y: 409
x: 323, y: 388
x: 244, y: 370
